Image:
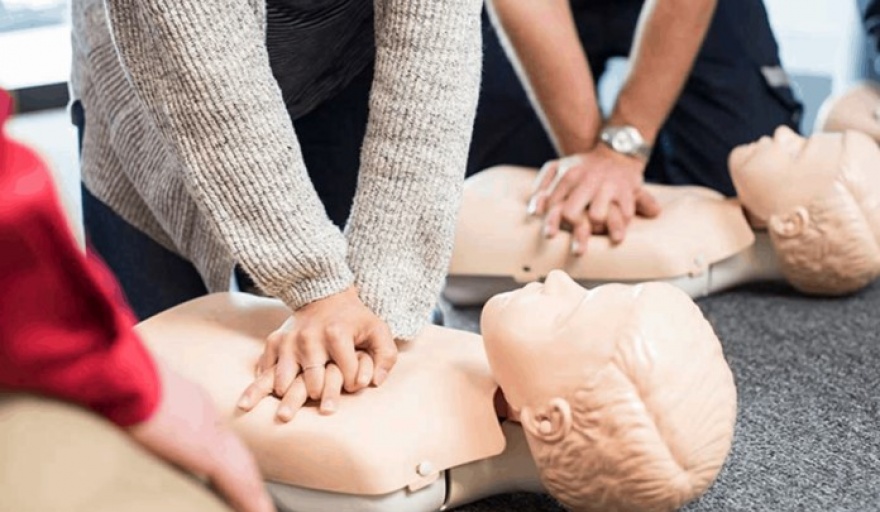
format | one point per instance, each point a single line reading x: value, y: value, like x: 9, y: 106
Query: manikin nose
x: 558, y: 282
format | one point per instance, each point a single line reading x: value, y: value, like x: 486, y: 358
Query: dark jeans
x: 155, y: 279
x: 727, y: 100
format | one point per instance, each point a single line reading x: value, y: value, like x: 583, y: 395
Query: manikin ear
x: 790, y: 224
x: 550, y: 423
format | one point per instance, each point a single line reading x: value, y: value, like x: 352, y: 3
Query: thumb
x: 380, y: 344
x: 646, y: 204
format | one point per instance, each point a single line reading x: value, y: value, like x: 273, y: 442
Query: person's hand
x: 594, y: 192
x: 326, y: 330
x: 187, y: 431
x: 296, y: 394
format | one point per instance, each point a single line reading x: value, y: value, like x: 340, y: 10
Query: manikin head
x: 623, y: 391
x: 820, y: 200
x: 856, y: 109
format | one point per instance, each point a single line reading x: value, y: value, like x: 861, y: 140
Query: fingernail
x: 284, y: 413
x: 363, y: 381
x: 328, y: 406
x: 381, y: 375
x: 575, y: 248
x: 532, y: 208
x: 546, y: 232
x: 244, y: 403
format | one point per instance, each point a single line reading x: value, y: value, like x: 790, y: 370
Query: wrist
x: 626, y: 140
x: 628, y: 112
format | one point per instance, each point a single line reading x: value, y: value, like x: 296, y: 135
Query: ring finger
x: 313, y: 375
x: 333, y: 382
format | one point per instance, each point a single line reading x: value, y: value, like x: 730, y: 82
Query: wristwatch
x: 626, y: 140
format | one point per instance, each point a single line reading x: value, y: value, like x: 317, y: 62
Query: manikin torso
x: 390, y: 449
x: 429, y: 438
x: 701, y: 243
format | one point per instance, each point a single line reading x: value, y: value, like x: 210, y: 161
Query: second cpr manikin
x: 807, y: 212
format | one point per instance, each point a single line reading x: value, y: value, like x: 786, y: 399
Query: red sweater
x: 62, y: 329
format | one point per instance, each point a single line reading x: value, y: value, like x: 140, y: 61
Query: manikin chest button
x: 699, y: 266
x: 425, y: 468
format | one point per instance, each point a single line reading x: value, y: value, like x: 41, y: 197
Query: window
x: 35, y: 49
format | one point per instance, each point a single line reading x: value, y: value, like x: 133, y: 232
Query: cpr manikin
x: 638, y: 367
x: 856, y: 109
x: 701, y: 242
x: 820, y: 200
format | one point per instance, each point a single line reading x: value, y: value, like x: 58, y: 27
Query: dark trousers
x: 155, y: 279
x: 732, y: 96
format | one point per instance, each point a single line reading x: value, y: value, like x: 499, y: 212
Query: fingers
x: 340, y: 344
x: 601, y: 203
x: 258, y: 390
x: 564, y: 183
x: 621, y: 211
x: 646, y: 204
x: 380, y: 345
x: 313, y: 375
x: 312, y: 357
x: 333, y: 381
x: 580, y: 236
x: 617, y: 224
x: 541, y: 189
x: 574, y: 214
x: 365, y: 370
x: 296, y: 395
x: 287, y: 368
x: 273, y: 342
x: 270, y: 352
x: 552, y: 221
x: 293, y: 400
x: 580, y: 197
x: 627, y: 204
x: 236, y: 477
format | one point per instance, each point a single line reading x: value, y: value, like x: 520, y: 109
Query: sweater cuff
x: 308, y: 290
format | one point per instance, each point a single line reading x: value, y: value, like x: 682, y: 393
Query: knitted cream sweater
x: 187, y: 138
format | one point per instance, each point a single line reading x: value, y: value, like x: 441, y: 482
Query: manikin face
x: 777, y: 174
x: 547, y: 338
x: 608, y: 384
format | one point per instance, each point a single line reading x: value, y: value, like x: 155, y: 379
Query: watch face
x: 626, y: 140
x: 622, y: 142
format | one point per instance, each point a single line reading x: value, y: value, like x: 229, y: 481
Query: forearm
x: 202, y: 72
x: 541, y: 40
x: 414, y: 154
x: 668, y: 38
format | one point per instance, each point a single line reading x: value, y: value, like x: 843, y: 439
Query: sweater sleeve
x: 413, y: 159
x: 61, y: 332
x: 201, y: 70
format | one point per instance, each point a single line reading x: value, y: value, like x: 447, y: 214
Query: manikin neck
x: 757, y: 263
x: 513, y: 470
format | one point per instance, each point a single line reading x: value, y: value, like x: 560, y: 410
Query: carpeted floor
x: 808, y: 376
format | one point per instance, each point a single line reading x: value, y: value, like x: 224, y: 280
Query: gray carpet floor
x: 808, y: 377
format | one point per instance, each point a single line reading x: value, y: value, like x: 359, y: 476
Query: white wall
x: 819, y: 37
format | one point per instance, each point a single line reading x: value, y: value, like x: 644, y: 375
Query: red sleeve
x: 61, y: 332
